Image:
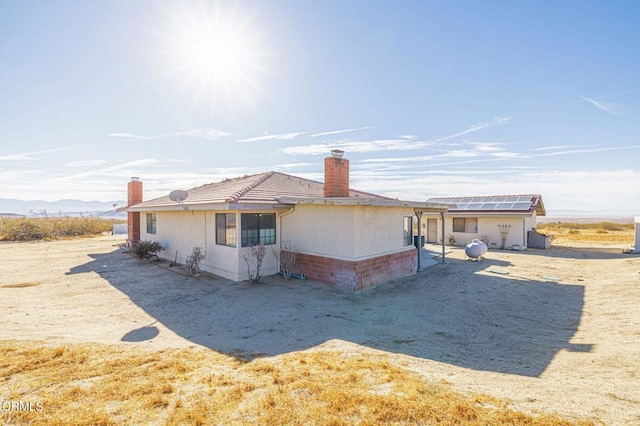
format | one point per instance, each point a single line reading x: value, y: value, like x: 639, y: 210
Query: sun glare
x: 215, y: 54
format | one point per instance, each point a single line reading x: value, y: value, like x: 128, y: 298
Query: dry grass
x: 103, y: 385
x: 602, y: 232
x: 51, y: 228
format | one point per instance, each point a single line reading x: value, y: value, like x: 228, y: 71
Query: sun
x: 214, y: 54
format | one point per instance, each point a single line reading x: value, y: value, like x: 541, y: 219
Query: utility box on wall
x: 538, y: 240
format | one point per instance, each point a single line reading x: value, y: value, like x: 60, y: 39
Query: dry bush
x: 253, y: 257
x: 602, y: 232
x: 193, y: 261
x: 288, y: 258
x: 101, y: 384
x: 51, y: 228
x: 146, y: 249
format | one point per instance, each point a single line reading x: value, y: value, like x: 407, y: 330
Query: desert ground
x: 554, y: 331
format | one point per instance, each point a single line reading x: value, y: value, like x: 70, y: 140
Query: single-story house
x: 343, y: 237
x: 501, y: 221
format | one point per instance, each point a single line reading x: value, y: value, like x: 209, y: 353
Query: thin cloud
x: 357, y: 146
x: 337, y: 132
x: 117, y: 167
x: 283, y: 136
x: 294, y: 165
x: 404, y: 143
x: 549, y: 148
x: 476, y: 127
x: 210, y: 134
x: 16, y: 157
x: 410, y: 137
x: 590, y: 150
x: 608, y: 107
x: 86, y: 163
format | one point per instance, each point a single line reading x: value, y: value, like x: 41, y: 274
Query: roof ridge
x: 238, y: 194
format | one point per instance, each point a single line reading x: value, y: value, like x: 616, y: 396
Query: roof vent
x: 337, y: 153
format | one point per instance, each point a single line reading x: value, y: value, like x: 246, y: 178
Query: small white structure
x: 636, y: 247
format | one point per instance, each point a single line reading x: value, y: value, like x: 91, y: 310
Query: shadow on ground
x: 454, y: 313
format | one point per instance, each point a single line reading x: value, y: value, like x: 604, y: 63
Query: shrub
x: 146, y: 249
x: 253, y: 258
x: 193, y: 261
x: 51, y: 228
x: 288, y: 258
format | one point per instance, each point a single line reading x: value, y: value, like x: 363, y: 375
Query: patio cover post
x: 442, y: 215
x: 418, y: 244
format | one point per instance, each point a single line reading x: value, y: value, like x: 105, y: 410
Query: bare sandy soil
x: 550, y: 330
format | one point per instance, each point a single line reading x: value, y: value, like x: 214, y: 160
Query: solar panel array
x: 508, y: 202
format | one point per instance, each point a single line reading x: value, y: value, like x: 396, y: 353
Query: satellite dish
x: 178, y: 195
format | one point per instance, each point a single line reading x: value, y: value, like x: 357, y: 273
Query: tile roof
x: 262, y: 188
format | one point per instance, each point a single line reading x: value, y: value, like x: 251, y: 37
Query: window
x: 226, y: 229
x: 151, y: 223
x: 407, y: 231
x: 465, y: 224
x: 257, y: 228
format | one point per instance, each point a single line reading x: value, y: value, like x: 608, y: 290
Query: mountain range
x: 68, y: 207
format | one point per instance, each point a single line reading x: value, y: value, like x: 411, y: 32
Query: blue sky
x: 427, y: 98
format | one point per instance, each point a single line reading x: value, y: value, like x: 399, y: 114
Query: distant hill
x: 67, y: 207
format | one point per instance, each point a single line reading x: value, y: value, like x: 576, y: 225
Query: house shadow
x: 457, y: 313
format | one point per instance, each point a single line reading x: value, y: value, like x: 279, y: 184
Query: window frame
x: 260, y: 232
x: 469, y: 225
x: 152, y: 223
x: 227, y: 235
x: 407, y: 231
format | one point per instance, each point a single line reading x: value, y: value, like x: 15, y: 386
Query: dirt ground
x: 550, y: 330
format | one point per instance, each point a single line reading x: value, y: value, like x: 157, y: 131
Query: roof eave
x: 358, y: 201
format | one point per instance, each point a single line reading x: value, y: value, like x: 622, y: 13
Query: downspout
x: 442, y: 214
x: 280, y: 216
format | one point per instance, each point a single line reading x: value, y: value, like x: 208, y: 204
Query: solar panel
x: 521, y: 206
x: 488, y: 203
x: 504, y: 206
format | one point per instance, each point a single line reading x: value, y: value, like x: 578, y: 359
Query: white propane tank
x: 475, y: 249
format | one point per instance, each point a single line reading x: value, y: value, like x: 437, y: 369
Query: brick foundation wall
x: 356, y: 276
x: 133, y: 222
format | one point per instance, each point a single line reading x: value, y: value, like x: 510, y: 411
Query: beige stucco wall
x: 181, y: 231
x: 341, y: 232
x: 488, y: 229
x: 345, y: 232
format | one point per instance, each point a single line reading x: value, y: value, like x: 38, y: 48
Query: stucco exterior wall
x: 181, y: 231
x: 488, y: 230
x: 362, y: 246
x: 345, y: 232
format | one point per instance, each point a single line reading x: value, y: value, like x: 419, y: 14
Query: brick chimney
x: 336, y: 175
x: 134, y: 196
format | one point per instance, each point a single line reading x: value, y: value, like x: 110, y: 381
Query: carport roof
x: 496, y: 204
